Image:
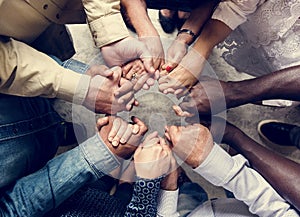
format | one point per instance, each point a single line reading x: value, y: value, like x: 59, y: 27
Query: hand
x: 184, y: 76
x: 135, y: 72
x: 209, y: 96
x: 154, y: 45
x: 191, y: 143
x: 222, y: 130
x: 110, y: 94
x: 124, y: 150
x: 152, y: 158
x: 175, y: 53
x: 122, y: 131
x: 125, y: 50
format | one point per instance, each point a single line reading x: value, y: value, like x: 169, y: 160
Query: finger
x: 142, y: 126
x: 126, y: 68
x: 115, y: 127
x: 126, y: 98
x: 102, y: 122
x: 146, y: 87
x: 164, y: 79
x: 126, y: 135
x: 99, y: 70
x: 167, y: 135
x: 120, y: 133
x: 180, y: 112
x: 140, y: 82
x: 130, y: 104
x: 125, y: 87
x: 151, y: 136
x: 151, y: 142
x: 150, y: 81
x: 135, y: 128
x: 148, y: 63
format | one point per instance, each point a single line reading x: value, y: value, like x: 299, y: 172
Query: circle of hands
x: 112, y: 90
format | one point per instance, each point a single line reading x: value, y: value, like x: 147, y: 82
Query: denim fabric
x: 30, y: 132
x: 45, y: 189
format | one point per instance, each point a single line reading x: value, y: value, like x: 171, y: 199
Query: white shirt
x: 247, y: 185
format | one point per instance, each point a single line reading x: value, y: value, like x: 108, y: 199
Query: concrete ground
x: 155, y: 108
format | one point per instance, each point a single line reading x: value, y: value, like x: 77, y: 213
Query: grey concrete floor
x: 155, y: 108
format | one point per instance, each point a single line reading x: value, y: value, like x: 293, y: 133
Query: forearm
x: 45, y: 189
x: 283, y: 174
x: 283, y: 84
x: 142, y: 203
x: 27, y: 72
x: 136, y: 14
x: 196, y: 21
x: 213, y: 33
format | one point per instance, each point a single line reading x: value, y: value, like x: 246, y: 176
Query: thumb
x: 102, y: 122
x: 116, y: 73
x: 142, y: 126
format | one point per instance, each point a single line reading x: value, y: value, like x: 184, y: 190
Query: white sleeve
x: 234, y: 12
x: 247, y: 185
x: 167, y: 203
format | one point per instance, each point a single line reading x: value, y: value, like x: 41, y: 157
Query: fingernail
x: 114, y: 143
x: 168, y: 68
x: 122, y: 140
x: 152, y: 69
x: 110, y: 138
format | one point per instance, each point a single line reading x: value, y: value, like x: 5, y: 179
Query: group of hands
x: 153, y: 155
x: 137, y: 66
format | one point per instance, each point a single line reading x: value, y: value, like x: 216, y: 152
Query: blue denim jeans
x: 30, y: 131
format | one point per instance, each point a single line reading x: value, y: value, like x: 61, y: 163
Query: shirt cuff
x: 73, y: 86
x: 108, y: 29
x: 228, y: 13
x: 167, y: 203
x: 98, y: 155
x: 216, y: 166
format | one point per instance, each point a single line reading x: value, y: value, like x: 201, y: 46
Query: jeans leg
x: 295, y: 136
x: 30, y: 132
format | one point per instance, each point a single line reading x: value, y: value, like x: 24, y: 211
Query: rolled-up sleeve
x: 105, y: 21
x: 234, y: 12
x: 28, y: 72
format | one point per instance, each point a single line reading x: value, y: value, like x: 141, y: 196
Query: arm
x: 27, y: 72
x: 219, y: 168
x: 135, y: 11
x: 168, y: 195
x: 246, y: 184
x: 38, y: 193
x: 152, y: 161
x: 282, y: 173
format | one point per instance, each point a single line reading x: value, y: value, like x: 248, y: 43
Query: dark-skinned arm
x: 283, y: 84
x: 282, y: 173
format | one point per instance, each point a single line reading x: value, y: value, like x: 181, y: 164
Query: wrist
x: 186, y: 36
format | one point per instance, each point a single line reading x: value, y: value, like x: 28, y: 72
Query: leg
x: 30, y: 132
